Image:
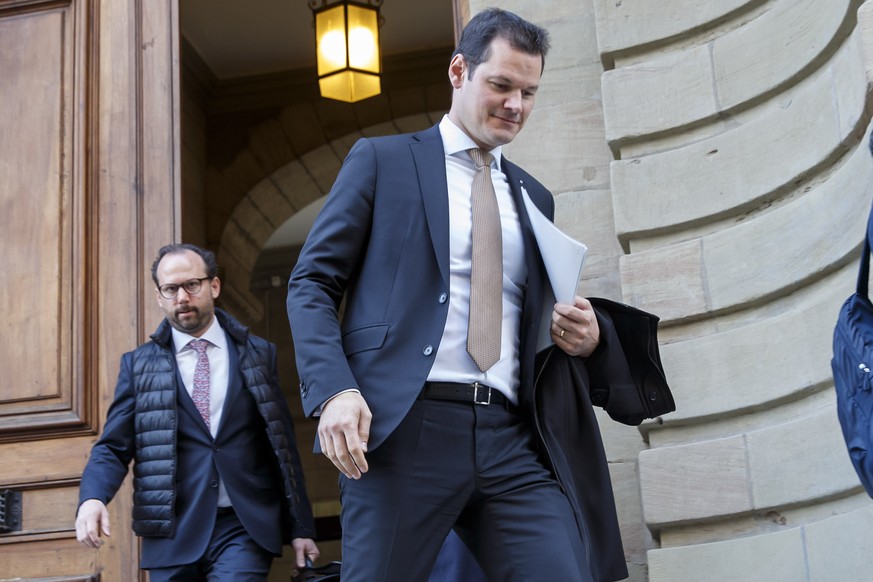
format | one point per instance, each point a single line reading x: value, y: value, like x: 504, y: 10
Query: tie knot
x: 480, y: 157
x: 199, y: 345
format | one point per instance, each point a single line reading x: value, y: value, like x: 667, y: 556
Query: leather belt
x: 475, y: 393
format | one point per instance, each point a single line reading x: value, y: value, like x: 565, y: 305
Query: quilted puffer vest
x: 155, y: 418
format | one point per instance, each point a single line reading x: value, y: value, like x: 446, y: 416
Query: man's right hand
x: 343, y: 430
x: 91, y: 520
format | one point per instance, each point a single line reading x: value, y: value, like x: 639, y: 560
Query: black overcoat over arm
x: 621, y: 376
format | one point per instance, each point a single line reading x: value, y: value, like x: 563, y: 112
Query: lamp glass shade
x: 350, y: 86
x: 330, y: 38
x: 363, y: 39
x: 347, y: 47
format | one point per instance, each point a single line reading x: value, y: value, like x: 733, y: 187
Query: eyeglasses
x: 191, y: 287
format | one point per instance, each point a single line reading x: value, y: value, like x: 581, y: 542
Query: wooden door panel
x: 41, y: 460
x: 54, y: 559
x: 42, y: 204
x: 46, y: 424
x: 89, y: 189
x: 33, y: 197
x: 40, y: 507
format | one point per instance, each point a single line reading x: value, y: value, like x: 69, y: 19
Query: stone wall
x: 713, y: 157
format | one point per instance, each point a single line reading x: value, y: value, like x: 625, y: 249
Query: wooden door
x: 89, y: 189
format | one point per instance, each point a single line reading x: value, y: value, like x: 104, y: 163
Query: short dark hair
x: 178, y: 248
x: 475, y: 43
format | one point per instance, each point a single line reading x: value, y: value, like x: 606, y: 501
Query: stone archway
x: 279, y: 196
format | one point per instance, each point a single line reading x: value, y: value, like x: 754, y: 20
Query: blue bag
x: 852, y: 366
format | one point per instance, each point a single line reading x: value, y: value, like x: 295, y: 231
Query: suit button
x: 443, y: 297
x: 213, y: 483
x: 216, y: 449
x: 428, y: 350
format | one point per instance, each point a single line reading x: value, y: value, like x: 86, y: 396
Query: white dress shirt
x: 219, y: 365
x: 453, y: 363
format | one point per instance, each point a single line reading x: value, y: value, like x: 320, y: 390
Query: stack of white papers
x: 563, y: 257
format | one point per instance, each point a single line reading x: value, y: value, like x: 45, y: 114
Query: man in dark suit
x: 218, y: 486
x: 430, y: 431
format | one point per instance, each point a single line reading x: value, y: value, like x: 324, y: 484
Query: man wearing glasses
x: 218, y: 486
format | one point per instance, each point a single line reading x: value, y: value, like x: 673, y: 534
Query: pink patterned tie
x: 200, y: 395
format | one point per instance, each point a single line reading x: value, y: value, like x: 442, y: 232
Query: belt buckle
x: 476, y: 400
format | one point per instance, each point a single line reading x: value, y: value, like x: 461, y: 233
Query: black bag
x: 852, y: 366
x: 326, y: 573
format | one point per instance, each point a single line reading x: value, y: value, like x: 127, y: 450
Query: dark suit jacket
x: 383, y: 236
x: 240, y: 453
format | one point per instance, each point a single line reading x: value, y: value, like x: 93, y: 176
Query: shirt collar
x: 456, y: 142
x: 214, y: 335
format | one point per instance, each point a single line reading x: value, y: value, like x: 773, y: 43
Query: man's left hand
x: 304, y: 549
x: 574, y: 327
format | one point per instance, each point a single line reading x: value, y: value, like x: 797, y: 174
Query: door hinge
x: 10, y: 511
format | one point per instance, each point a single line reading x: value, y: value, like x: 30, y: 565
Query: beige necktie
x: 486, y: 270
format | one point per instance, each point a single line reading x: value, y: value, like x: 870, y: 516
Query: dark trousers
x: 468, y: 467
x: 232, y: 555
x: 455, y: 563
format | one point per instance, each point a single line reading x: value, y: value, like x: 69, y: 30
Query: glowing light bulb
x: 362, y: 47
x: 333, y: 48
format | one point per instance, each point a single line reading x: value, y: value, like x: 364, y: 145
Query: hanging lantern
x: 347, y: 48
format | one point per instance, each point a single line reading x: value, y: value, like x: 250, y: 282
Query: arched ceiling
x: 239, y: 39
